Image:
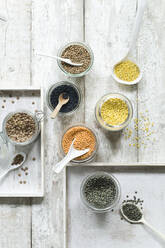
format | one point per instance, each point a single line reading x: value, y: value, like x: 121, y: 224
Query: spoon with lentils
x: 16, y: 162
x: 134, y: 215
x: 65, y: 60
x: 63, y: 99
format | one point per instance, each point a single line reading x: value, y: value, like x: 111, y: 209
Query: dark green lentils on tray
x: 68, y: 90
x: 132, y: 212
x: 100, y: 191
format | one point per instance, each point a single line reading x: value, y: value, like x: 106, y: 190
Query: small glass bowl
x: 59, y: 84
x: 87, y: 47
x: 117, y: 197
x: 92, y: 156
x: 107, y: 126
x: 30, y: 140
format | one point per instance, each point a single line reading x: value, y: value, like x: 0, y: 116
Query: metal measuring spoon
x: 141, y: 220
x: 67, y: 61
x: 62, y: 100
x: 73, y: 153
x: 14, y: 166
x: 141, y: 4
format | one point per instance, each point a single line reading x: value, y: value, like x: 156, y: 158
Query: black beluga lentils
x: 69, y: 91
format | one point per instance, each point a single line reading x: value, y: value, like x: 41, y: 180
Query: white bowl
x: 136, y: 81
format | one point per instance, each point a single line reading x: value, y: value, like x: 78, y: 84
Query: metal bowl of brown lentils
x: 21, y: 128
x: 78, y: 52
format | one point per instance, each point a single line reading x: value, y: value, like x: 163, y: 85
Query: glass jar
x: 92, y: 156
x: 99, y: 118
x: 37, y: 117
x: 87, y: 47
x: 117, y: 196
x: 49, y: 92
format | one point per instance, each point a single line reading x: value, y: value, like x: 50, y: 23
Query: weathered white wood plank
x: 151, y: 54
x: 15, y: 223
x: 15, y: 47
x: 54, y: 24
x: 15, y: 43
x: 108, y: 28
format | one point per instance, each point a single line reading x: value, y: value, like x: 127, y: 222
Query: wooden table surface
x: 44, y: 26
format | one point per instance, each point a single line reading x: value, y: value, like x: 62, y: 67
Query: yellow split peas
x: 114, y: 111
x: 127, y: 71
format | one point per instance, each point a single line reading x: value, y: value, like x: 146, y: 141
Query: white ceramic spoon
x: 67, y: 61
x: 73, y: 153
x: 141, y: 4
x: 14, y: 167
x: 141, y: 221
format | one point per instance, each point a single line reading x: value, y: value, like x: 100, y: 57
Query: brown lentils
x: 20, y: 127
x: 77, y: 54
x: 17, y: 159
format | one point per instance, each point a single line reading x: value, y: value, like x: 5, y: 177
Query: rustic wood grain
x: 44, y: 26
x: 54, y: 24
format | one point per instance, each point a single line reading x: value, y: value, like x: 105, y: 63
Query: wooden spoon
x: 61, y: 101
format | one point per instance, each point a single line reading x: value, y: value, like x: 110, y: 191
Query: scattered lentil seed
x: 33, y: 102
x: 114, y: 111
x: 84, y: 139
x: 12, y: 101
x: 127, y: 71
x: 3, y: 106
x: 146, y: 131
x: 17, y: 97
x: 33, y: 158
x: 19, y: 175
x: 24, y: 182
x: 26, y: 173
x: 20, y: 182
x: 20, y: 127
x: 4, y: 100
x: 77, y: 54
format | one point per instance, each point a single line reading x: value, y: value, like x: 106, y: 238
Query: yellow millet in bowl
x: 114, y: 111
x: 127, y: 71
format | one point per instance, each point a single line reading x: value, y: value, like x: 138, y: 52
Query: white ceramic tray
x: 26, y: 99
x: 84, y: 228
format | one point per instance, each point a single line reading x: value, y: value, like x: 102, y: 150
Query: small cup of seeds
x: 100, y: 192
x: 127, y: 72
x: 68, y: 88
x: 77, y: 52
x: 114, y: 112
x: 21, y: 128
x: 85, y: 138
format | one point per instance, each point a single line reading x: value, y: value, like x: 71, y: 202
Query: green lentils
x: 100, y: 191
x: 132, y: 212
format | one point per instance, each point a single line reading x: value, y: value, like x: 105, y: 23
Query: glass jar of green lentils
x: 100, y: 192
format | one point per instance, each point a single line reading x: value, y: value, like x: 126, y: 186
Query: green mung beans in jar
x: 100, y: 192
